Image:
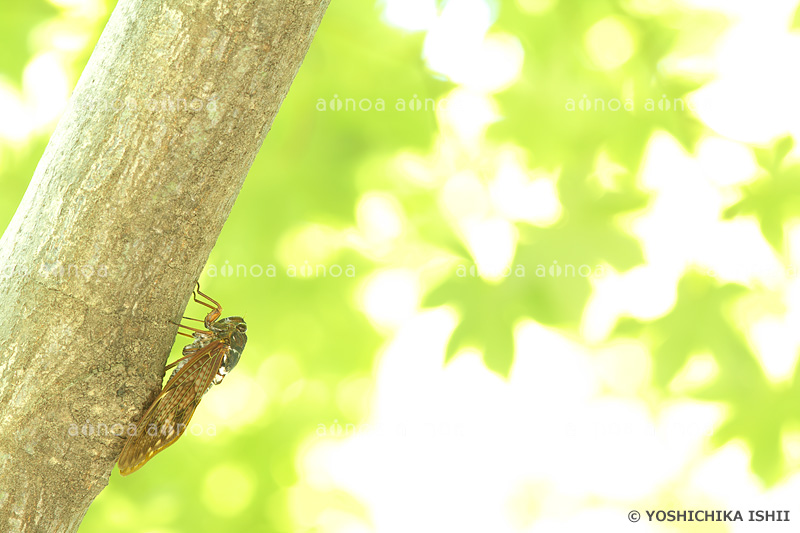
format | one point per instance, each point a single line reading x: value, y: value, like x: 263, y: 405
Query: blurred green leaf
x: 557, y: 264
x: 770, y: 159
x: 772, y: 199
x: 698, y: 323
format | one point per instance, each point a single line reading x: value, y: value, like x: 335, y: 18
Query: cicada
x: 205, y: 363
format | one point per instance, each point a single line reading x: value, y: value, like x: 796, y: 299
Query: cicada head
x: 238, y: 340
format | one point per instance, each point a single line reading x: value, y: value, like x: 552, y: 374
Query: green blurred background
x: 507, y: 266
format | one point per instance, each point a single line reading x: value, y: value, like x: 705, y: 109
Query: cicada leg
x: 216, y: 309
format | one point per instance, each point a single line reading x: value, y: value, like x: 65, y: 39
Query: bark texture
x: 117, y: 223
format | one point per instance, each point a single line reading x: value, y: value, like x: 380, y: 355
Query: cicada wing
x: 169, y: 415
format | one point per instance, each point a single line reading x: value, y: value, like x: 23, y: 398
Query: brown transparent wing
x: 170, y: 413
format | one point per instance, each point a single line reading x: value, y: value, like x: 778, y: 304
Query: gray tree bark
x: 116, y: 225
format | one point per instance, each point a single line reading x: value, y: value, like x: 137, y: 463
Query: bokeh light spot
x: 609, y: 43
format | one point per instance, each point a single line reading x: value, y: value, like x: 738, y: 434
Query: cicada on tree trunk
x: 205, y: 363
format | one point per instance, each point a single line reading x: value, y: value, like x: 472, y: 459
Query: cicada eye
x: 242, y: 327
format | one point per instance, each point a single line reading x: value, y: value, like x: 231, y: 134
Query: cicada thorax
x: 231, y: 331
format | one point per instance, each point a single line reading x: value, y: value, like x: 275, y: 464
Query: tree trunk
x: 116, y: 225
